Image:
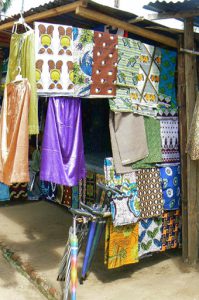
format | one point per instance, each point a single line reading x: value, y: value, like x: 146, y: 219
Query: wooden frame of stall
x: 187, y: 81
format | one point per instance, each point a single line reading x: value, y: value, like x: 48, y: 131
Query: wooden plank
x: 183, y: 133
x: 105, y: 19
x: 46, y: 14
x: 174, y: 15
x: 191, y: 165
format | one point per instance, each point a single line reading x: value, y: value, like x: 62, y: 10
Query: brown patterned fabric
x: 150, y: 192
x: 67, y: 196
x: 170, y: 229
x: 105, y: 57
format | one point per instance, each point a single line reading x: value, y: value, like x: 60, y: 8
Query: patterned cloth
x: 152, y: 128
x: 67, y: 196
x: 170, y: 177
x: 125, y: 209
x: 104, y: 71
x: 193, y: 136
x: 150, y: 234
x: 170, y: 140
x: 18, y: 191
x: 54, y: 61
x: 150, y: 192
x: 170, y: 229
x: 167, y: 90
x: 83, y: 59
x: 90, y: 187
x: 48, y: 190
x: 121, y: 245
x: 4, y: 192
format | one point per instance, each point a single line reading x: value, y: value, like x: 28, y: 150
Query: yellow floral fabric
x: 22, y: 53
x: 121, y: 245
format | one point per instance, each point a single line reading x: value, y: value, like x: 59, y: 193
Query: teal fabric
x: 4, y: 192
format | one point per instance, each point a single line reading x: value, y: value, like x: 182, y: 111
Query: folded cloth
x: 4, y: 192
x: 125, y: 140
x: 62, y: 158
x: 170, y: 229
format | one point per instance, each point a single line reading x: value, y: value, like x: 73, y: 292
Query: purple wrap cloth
x: 62, y: 157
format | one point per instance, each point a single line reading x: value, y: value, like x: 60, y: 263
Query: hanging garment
x: 170, y: 140
x: 130, y: 146
x: 104, y: 71
x: 90, y: 187
x: 22, y: 53
x: 170, y: 229
x: 4, y: 192
x: 83, y: 60
x: 18, y: 191
x: 121, y: 245
x: 167, y: 103
x: 67, y: 196
x: 49, y: 190
x: 14, y: 133
x: 170, y: 178
x: 62, y: 158
x: 193, y: 136
x: 150, y: 192
x: 54, y: 59
x: 152, y: 127
x: 150, y: 235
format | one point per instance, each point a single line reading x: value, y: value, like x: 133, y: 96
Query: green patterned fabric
x: 152, y: 127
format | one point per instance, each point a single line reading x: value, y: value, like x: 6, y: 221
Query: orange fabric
x: 14, y: 133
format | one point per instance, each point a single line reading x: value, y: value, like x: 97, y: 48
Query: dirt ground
x: 37, y: 232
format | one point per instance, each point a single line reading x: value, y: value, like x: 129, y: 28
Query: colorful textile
x: 90, y: 187
x: 48, y: 190
x: 62, y: 158
x: 54, y: 61
x: 18, y: 191
x: 104, y: 71
x: 127, y: 145
x: 22, y: 53
x: 125, y: 209
x: 150, y: 234
x: 83, y: 59
x: 34, y: 186
x: 170, y: 178
x: 4, y: 192
x: 170, y: 140
x: 167, y: 90
x: 121, y: 245
x: 14, y: 133
x: 75, y: 197
x: 152, y: 127
x: 193, y: 136
x: 67, y: 196
x: 170, y: 229
x: 150, y: 192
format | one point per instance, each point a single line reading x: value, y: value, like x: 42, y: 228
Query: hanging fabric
x: 22, y: 53
x: 14, y: 133
x: 62, y: 158
x: 18, y: 191
x: 4, y: 192
x: 170, y: 229
x: 54, y: 59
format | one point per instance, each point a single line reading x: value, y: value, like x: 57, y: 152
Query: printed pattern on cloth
x: 152, y: 128
x: 54, y: 59
x: 170, y: 229
x: 125, y: 209
x: 4, y: 192
x: 83, y: 59
x: 67, y: 196
x: 167, y: 91
x: 150, y: 234
x: 170, y: 178
x: 90, y: 187
x: 170, y: 140
x: 18, y: 191
x: 121, y: 245
x: 150, y: 192
x: 48, y: 190
x: 104, y: 71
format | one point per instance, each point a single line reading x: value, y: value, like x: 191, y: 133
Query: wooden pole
x: 46, y: 14
x: 183, y: 133
x: 191, y: 165
x: 105, y: 19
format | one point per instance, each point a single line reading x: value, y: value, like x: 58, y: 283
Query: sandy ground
x: 38, y: 231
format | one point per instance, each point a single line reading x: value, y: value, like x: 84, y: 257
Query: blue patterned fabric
x: 4, y: 192
x: 171, y: 187
x: 48, y: 190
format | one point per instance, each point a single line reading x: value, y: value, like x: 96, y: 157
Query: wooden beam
x: 183, y: 156
x: 136, y: 20
x: 105, y: 19
x: 46, y: 14
x: 191, y: 165
x: 174, y: 15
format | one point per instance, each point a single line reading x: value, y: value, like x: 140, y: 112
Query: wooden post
x: 183, y: 133
x: 191, y: 165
